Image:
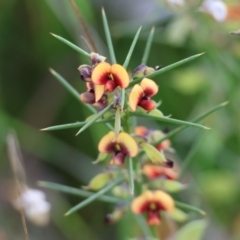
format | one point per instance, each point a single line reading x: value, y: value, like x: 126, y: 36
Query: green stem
x: 131, y: 175
x: 122, y: 99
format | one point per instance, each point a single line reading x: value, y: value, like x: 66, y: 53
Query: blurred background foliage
x: 31, y: 99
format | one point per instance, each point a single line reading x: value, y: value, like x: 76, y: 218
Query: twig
x: 18, y: 172
x: 84, y: 26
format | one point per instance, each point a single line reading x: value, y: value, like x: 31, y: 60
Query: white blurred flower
x: 176, y: 2
x: 33, y: 203
x: 216, y: 8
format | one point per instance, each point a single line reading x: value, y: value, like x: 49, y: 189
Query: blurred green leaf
x: 193, y: 230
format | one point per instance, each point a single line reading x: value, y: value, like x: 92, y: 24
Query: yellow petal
x: 164, y: 200
x: 106, y: 144
x: 99, y: 91
x: 101, y: 73
x: 150, y: 88
x: 135, y: 96
x: 120, y: 75
x: 127, y: 144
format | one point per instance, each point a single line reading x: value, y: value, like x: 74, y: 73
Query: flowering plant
x: 141, y: 176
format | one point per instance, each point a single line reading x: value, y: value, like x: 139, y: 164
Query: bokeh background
x: 31, y: 99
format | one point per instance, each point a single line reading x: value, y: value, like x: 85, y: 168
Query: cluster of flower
x: 104, y: 85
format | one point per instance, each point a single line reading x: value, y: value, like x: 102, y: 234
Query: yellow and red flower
x: 107, y: 77
x: 141, y: 95
x: 153, y: 172
x: 152, y: 202
x: 121, y: 146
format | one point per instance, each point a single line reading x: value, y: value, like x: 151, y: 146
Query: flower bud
x: 85, y: 72
x: 156, y: 156
x: 87, y: 97
x: 168, y: 185
x: 99, y: 181
x: 178, y: 215
x: 96, y: 58
x: 142, y: 70
x: 116, y: 215
x: 121, y: 191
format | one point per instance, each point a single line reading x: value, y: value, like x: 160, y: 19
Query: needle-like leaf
x: 75, y: 47
x: 69, y: 88
x: 197, y: 119
x: 125, y: 64
x: 93, y: 197
x: 76, y: 191
x: 189, y: 207
x: 94, y: 119
x: 108, y: 37
x: 168, y: 120
x: 167, y: 68
x: 148, y: 46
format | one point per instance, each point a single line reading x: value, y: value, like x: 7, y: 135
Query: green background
x: 31, y: 99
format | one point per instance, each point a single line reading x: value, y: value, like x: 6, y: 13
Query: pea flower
x: 121, y: 146
x: 153, y: 172
x: 107, y: 77
x: 141, y: 95
x: 152, y: 203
